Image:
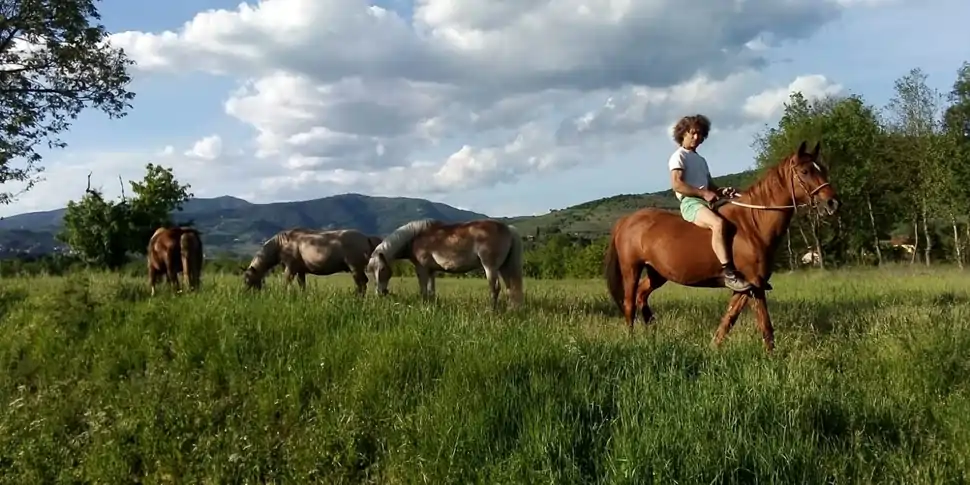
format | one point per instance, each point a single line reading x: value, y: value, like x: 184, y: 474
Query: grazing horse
x: 671, y: 249
x: 321, y: 253
x: 173, y: 250
x: 433, y: 246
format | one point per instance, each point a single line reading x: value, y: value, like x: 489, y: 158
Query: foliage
x: 903, y: 174
x: 54, y: 63
x: 102, y: 384
x: 103, y: 232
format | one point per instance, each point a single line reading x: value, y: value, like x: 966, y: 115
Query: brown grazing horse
x: 306, y: 251
x: 173, y: 250
x: 672, y: 249
x: 434, y: 246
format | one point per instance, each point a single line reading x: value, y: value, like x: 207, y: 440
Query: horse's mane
x: 772, y: 179
x: 396, y: 241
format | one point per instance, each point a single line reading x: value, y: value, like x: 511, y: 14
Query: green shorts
x: 689, y: 207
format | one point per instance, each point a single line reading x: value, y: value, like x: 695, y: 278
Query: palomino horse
x: 434, y: 246
x: 672, y: 249
x: 321, y: 253
x: 173, y: 250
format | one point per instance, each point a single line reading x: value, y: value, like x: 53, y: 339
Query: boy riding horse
x: 691, y: 181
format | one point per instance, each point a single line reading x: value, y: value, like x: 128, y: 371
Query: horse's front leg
x: 301, y: 280
x: 764, y: 319
x: 735, y: 306
x: 423, y: 276
x: 288, y: 275
x: 430, y: 285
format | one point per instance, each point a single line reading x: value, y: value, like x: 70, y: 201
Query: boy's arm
x: 676, y: 166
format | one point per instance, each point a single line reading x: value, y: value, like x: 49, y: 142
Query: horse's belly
x: 452, y: 264
x: 684, y: 259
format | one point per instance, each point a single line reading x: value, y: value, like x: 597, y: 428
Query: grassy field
x: 100, y: 384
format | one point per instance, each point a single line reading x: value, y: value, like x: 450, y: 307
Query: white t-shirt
x: 694, y: 166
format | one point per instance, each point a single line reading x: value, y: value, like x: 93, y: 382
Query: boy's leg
x: 695, y: 210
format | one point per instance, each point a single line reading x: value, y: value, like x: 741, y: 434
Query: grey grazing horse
x: 306, y: 251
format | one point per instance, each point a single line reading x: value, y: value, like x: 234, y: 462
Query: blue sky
x: 504, y: 108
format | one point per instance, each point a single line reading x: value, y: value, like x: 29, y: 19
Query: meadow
x: 102, y: 384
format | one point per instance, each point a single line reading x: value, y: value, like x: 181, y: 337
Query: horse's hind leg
x: 492, y: 274
x: 648, y: 285
x: 153, y: 277
x: 735, y: 306
x: 513, y: 284
x: 631, y: 280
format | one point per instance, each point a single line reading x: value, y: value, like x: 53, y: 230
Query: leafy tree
x: 54, y: 62
x: 156, y: 197
x: 98, y: 230
x: 913, y: 114
x: 105, y: 232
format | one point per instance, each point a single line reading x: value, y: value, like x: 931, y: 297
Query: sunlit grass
x: 869, y: 383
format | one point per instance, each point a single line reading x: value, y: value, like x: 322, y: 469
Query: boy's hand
x: 709, y: 195
x: 727, y: 192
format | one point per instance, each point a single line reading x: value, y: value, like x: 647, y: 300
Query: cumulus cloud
x: 468, y: 94
x: 208, y: 148
x: 771, y: 103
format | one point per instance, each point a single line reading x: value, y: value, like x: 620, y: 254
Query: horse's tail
x: 190, y: 245
x: 611, y: 269
x: 512, y: 266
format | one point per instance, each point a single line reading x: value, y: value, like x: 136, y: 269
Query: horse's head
x: 381, y: 269
x: 252, y: 280
x: 810, y: 183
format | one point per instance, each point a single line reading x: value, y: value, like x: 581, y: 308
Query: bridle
x: 794, y: 205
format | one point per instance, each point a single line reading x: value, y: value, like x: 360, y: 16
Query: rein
x: 794, y: 205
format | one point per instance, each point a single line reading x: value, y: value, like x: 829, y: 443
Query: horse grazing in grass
x: 174, y: 250
x: 672, y: 249
x: 434, y: 246
x: 307, y: 251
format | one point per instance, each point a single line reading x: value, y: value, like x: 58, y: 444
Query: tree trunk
x: 956, y: 241
x: 791, y: 254
x: 926, y: 234
x: 912, y: 259
x: 808, y: 244
x: 818, y: 246
x: 875, y: 232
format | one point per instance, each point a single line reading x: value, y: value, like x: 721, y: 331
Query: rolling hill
x: 594, y: 218
x: 236, y: 226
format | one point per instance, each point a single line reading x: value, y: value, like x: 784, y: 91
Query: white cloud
x: 208, y: 148
x: 771, y: 103
x: 342, y: 95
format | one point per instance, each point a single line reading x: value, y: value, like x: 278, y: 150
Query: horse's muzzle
x: 831, y: 205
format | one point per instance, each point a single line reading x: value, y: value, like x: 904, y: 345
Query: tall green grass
x: 101, y: 384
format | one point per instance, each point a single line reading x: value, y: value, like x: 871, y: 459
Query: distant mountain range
x: 233, y: 225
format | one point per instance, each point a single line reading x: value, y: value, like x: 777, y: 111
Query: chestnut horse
x: 672, y: 249
x: 173, y: 250
x: 434, y: 246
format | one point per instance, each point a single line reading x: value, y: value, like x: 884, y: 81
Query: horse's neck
x: 767, y: 225
x: 269, y: 255
x: 397, y: 244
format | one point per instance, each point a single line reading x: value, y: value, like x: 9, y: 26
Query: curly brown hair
x: 698, y: 122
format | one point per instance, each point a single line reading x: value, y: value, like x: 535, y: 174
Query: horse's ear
x: 381, y: 257
x: 801, y: 148
x: 818, y: 147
